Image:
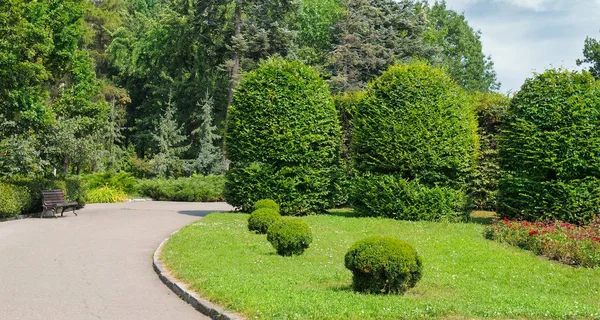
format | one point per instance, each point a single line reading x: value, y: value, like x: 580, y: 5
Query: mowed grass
x: 465, y: 276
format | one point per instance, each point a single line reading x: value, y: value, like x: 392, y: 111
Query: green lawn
x: 465, y: 276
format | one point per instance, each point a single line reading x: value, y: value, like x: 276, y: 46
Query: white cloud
x: 531, y: 35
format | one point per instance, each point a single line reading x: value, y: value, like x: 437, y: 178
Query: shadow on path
x: 195, y: 213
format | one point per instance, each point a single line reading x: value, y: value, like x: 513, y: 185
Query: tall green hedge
x: 550, y: 147
x: 283, y: 139
x: 416, y: 124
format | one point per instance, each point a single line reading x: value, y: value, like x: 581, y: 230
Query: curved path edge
x: 202, y: 305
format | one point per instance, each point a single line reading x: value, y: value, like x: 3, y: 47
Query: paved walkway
x: 94, y: 266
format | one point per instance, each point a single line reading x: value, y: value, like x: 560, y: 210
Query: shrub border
x: 202, y: 305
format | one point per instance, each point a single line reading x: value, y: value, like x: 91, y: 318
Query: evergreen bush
x: 549, y: 149
x: 266, y: 203
x: 392, y: 196
x: 261, y: 219
x: 383, y: 265
x: 196, y: 188
x: 283, y: 127
x: 74, y: 187
x: 290, y: 236
x: 106, y: 194
x: 416, y: 124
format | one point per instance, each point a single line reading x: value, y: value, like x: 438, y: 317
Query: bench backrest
x: 53, y: 196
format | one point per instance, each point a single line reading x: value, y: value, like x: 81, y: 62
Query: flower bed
x: 567, y: 243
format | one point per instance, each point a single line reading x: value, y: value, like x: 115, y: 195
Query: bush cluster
x: 283, y: 138
x: 106, y: 194
x: 193, y: 189
x: 417, y: 126
x: 383, y: 265
x: 262, y: 219
x: 31, y: 201
x: 549, y: 149
x: 392, y: 196
x: 567, y: 243
x: 290, y: 236
x: 123, y: 181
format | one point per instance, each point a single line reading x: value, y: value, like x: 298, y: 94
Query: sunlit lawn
x: 465, y: 276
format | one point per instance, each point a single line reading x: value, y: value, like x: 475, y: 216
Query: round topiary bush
x: 383, y: 265
x: 549, y: 149
x: 290, y: 236
x: 261, y: 219
x: 266, y: 203
x: 283, y: 128
x: 417, y: 124
x: 415, y: 121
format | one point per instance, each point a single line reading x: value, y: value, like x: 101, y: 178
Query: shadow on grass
x: 195, y: 213
x: 343, y: 212
x: 483, y: 217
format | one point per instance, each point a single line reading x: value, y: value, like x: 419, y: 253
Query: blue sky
x: 524, y: 36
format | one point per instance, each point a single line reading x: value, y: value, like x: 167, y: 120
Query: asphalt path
x: 97, y: 265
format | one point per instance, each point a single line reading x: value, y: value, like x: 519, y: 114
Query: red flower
x: 533, y: 232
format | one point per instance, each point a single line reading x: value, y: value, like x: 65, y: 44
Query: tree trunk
x: 66, y: 166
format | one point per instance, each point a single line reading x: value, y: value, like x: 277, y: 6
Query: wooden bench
x: 54, y: 199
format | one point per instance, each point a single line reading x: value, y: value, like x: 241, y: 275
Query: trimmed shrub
x: 193, y: 189
x: 74, y: 188
x: 300, y: 189
x: 491, y: 110
x: 13, y: 200
x: 416, y: 122
x: 266, y: 203
x: 106, y: 194
x: 383, y: 265
x: 282, y: 127
x: 392, y: 196
x: 290, y: 236
x: 549, y: 149
x: 261, y: 219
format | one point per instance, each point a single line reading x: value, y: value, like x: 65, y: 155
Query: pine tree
x: 170, y: 139
x: 210, y: 158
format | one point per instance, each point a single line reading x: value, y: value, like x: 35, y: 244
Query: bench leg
x: 62, y: 212
x: 75, y: 213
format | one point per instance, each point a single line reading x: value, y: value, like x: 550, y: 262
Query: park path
x: 94, y: 266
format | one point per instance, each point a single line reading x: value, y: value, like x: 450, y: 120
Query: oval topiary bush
x: 415, y: 121
x: 416, y: 124
x: 283, y: 128
x: 290, y: 236
x: 383, y: 265
x: 261, y: 219
x: 266, y: 203
x: 549, y: 149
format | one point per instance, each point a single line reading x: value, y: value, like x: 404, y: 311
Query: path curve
x: 94, y: 266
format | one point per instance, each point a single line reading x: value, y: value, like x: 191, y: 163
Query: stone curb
x: 19, y: 217
x: 202, y: 305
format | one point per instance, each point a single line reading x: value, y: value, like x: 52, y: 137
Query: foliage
x: 283, y: 131
x: 566, y: 243
x: 290, y: 236
x: 106, y: 194
x: 74, y: 188
x: 299, y: 190
x: 383, y: 265
x: 122, y: 181
x: 262, y: 219
x: 193, y: 189
x: 591, y: 55
x: 417, y: 123
x: 266, y: 203
x: 169, y: 137
x: 373, y: 35
x: 464, y: 275
x: 13, y: 200
x: 460, y: 49
x: 491, y: 109
x: 392, y: 196
x: 210, y: 157
x: 548, y: 149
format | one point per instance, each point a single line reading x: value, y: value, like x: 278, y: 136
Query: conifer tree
x: 170, y: 139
